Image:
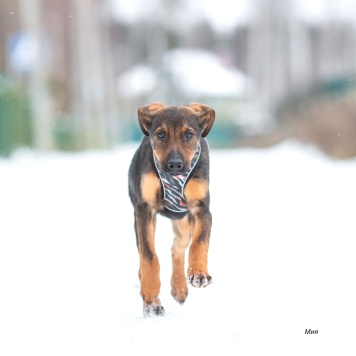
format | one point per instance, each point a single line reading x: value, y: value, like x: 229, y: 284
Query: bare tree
x: 89, y: 86
x: 31, y: 24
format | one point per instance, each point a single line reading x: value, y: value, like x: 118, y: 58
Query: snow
x: 223, y: 16
x: 137, y: 81
x: 326, y: 10
x: 187, y: 69
x: 282, y: 256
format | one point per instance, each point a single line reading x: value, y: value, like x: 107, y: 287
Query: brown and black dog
x: 169, y: 175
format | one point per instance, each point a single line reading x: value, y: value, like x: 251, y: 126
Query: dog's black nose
x: 175, y: 165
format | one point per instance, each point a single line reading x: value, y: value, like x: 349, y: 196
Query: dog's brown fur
x: 172, y: 131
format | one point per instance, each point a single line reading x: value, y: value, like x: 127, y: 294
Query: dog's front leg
x: 198, y: 253
x: 145, y: 219
x: 182, y: 231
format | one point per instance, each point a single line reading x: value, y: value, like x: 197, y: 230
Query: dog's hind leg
x: 182, y: 232
x: 149, y: 265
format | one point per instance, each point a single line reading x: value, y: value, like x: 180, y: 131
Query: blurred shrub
x: 65, y: 133
x: 325, y: 116
x: 15, y: 117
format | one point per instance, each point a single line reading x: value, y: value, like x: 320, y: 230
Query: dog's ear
x: 206, y: 116
x: 145, y: 114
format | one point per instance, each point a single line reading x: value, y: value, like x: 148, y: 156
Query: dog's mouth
x: 179, y: 173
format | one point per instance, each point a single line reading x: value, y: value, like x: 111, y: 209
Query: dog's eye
x: 188, y: 135
x: 161, y: 135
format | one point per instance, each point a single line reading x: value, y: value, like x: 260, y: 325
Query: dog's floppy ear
x: 145, y: 114
x: 206, y: 116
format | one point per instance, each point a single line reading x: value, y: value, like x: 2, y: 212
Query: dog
x: 169, y: 175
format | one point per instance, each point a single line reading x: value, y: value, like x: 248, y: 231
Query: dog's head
x: 175, y: 132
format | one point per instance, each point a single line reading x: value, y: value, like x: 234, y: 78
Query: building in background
x: 72, y: 73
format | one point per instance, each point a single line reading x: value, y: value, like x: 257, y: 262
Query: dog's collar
x: 173, y: 186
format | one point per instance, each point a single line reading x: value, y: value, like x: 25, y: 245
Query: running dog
x: 169, y: 175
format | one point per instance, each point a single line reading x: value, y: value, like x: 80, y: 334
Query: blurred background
x: 74, y: 72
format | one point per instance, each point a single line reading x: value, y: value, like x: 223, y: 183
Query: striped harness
x: 173, y: 186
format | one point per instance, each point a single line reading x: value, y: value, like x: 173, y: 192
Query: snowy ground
x: 282, y: 257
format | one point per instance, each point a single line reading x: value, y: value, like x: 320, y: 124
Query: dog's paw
x: 179, y: 289
x: 180, y: 294
x: 152, y: 309
x: 200, y: 280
